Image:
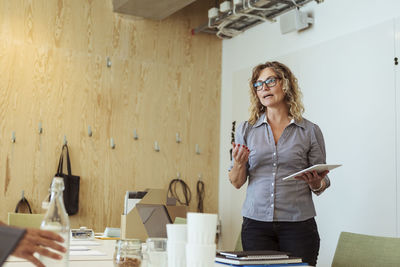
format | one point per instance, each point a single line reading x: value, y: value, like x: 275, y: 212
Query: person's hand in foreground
x: 39, y: 241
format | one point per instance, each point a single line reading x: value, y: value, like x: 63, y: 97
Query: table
x: 106, y: 246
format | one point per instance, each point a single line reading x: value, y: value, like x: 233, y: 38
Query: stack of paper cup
x: 177, y: 239
x: 200, y: 249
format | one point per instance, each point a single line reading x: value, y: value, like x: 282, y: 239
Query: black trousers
x: 300, y: 239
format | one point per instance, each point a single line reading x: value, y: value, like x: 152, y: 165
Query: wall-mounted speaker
x: 294, y: 20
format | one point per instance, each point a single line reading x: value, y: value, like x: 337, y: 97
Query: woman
x: 275, y: 142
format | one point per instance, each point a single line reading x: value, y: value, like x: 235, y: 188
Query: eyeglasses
x: 270, y: 82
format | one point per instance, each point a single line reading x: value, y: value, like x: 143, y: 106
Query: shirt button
x: 274, y: 164
x: 272, y: 184
x: 272, y: 195
x: 274, y: 153
x: 273, y: 174
x: 272, y: 205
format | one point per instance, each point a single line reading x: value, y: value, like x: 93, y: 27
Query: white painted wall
x: 345, y: 68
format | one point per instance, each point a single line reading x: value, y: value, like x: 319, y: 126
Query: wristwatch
x: 319, y: 189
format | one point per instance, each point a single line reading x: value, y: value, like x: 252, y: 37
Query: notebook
x: 224, y: 259
x: 131, y: 199
x: 259, y: 254
x: 265, y: 265
x: 9, y: 237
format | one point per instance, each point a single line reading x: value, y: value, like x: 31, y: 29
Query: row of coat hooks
x: 199, y: 176
x: 112, y: 142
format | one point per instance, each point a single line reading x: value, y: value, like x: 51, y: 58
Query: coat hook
x: 90, y: 133
x: 40, y: 128
x: 178, y: 175
x: 156, y: 146
x: 200, y: 176
x: 135, y: 135
x: 197, y: 149
x: 13, y: 137
x: 112, y: 144
x: 178, y: 138
x: 65, y: 140
x: 108, y: 62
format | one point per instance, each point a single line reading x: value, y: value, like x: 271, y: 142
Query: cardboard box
x: 150, y: 215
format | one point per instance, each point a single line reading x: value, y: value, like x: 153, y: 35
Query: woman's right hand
x: 237, y: 175
x: 240, y: 154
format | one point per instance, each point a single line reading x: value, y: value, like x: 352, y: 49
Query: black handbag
x: 71, y: 184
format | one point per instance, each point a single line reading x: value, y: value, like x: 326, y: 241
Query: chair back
x: 25, y: 220
x: 238, y: 245
x: 366, y: 251
x: 180, y: 220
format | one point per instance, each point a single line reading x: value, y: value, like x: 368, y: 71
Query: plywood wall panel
x: 162, y: 81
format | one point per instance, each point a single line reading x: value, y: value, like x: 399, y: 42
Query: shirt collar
x: 263, y: 119
x: 301, y: 123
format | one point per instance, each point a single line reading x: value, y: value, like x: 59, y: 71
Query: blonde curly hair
x: 290, y: 87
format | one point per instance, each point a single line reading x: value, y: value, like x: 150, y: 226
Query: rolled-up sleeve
x: 10, y: 237
x: 317, y: 154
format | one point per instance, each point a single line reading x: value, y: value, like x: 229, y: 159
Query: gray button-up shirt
x: 300, y: 146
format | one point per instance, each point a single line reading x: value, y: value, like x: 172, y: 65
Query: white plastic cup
x: 177, y: 232
x: 201, y: 228
x: 200, y: 255
x: 176, y: 254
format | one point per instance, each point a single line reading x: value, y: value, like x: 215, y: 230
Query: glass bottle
x: 156, y: 252
x: 56, y: 220
x: 128, y: 253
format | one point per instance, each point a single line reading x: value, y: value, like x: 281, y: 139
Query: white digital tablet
x: 318, y: 168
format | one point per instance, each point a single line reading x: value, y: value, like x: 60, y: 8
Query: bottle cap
x: 45, y: 205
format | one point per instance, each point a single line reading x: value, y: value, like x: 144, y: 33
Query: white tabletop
x: 104, y: 246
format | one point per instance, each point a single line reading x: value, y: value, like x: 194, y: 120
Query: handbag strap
x: 60, y: 165
x: 23, y: 201
x: 61, y: 161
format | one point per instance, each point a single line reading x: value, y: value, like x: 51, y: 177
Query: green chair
x: 238, y: 246
x: 25, y: 220
x: 180, y: 220
x: 356, y: 250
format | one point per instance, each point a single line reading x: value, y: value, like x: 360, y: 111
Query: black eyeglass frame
x: 269, y: 83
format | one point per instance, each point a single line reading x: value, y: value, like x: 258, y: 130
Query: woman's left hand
x: 313, y: 178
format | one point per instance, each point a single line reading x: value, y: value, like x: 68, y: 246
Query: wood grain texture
x: 162, y: 81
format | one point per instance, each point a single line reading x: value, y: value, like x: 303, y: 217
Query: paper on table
x: 86, y: 253
x: 131, y: 204
x: 106, y: 237
x: 131, y: 199
x: 77, y: 248
x: 83, y: 243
